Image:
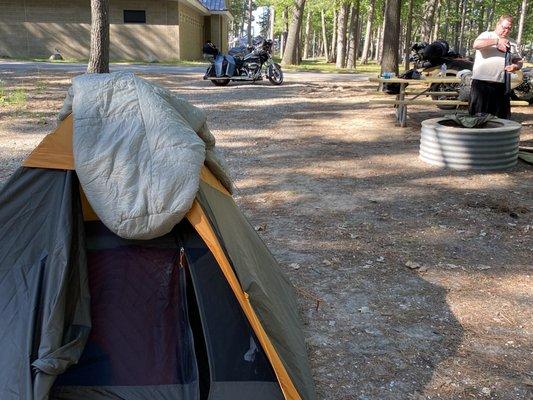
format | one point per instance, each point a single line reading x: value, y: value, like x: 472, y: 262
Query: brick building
x: 140, y: 29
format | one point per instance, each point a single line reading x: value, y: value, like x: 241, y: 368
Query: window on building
x: 134, y: 16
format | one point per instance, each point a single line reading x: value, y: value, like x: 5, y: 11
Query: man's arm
x: 501, y: 44
x: 480, y: 44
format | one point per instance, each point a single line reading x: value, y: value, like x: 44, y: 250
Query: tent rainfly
x: 202, y: 312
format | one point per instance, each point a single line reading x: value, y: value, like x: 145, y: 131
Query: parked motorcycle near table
x: 436, y: 59
x: 245, y: 63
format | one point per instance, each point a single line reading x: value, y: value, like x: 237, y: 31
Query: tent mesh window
x: 164, y: 319
x: 140, y: 333
x: 234, y: 352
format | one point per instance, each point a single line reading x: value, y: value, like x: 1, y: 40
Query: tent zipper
x: 181, y: 258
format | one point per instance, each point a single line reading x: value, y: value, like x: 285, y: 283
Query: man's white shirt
x: 489, y: 63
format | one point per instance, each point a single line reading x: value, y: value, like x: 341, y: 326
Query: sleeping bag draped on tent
x: 94, y: 306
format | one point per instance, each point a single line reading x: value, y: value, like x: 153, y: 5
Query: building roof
x: 215, y: 5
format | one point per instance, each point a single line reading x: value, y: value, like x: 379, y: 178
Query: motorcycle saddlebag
x: 224, y: 66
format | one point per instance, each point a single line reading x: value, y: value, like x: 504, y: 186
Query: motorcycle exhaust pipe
x: 233, y: 78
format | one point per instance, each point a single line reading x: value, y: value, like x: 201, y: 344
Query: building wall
x: 34, y: 28
x: 217, y: 27
x: 191, y: 27
x: 216, y: 31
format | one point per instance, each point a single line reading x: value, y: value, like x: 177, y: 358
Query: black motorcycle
x: 429, y: 58
x: 245, y: 63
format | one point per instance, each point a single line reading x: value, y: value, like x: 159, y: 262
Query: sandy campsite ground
x: 413, y: 282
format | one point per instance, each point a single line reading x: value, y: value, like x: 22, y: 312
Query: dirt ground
x: 339, y: 195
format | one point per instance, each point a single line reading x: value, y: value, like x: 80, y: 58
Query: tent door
x: 141, y: 343
x: 231, y: 361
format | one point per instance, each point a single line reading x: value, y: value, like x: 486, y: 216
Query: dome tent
x: 202, y: 312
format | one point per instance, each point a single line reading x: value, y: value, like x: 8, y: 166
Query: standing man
x: 488, y: 93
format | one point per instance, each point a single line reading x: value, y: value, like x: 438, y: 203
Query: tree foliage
x: 456, y: 21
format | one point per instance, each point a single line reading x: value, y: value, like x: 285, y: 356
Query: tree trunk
x: 462, y: 28
x: 377, y: 42
x: 359, y: 35
x: 324, y: 35
x: 368, y: 32
x: 313, y: 45
x: 446, y: 19
x: 241, y: 28
x: 416, y: 34
x: 427, y: 19
x: 379, y: 55
x: 99, y: 56
x: 354, y: 35
x: 372, y: 45
x: 481, y: 19
x: 290, y: 55
x: 350, y: 33
x: 333, y: 50
x: 250, y: 17
x: 408, y: 34
x: 272, y: 22
x: 341, y: 36
x: 299, y: 44
x: 435, y: 30
x: 457, y: 26
x: 490, y: 16
x: 521, y: 23
x: 470, y: 28
x: 391, y: 36
x: 307, y: 39
x: 285, y: 31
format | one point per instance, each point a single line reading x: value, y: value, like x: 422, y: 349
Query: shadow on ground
x: 412, y: 280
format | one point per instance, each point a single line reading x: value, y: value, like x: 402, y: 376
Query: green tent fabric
x: 44, y: 297
x: 271, y: 294
x: 526, y: 154
x: 45, y: 259
x: 471, y: 121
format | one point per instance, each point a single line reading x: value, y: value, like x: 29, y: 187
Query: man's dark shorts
x: 489, y: 98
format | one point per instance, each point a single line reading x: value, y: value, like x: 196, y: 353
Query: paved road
x: 22, y: 66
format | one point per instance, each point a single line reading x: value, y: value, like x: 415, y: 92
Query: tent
x: 202, y: 312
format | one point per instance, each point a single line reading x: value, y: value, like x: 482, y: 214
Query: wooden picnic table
x: 423, y: 80
x: 421, y: 87
x: 401, y: 101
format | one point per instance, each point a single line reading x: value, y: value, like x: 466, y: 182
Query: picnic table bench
x: 422, y: 88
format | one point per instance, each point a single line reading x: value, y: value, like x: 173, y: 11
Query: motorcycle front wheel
x: 220, y: 82
x: 275, y: 74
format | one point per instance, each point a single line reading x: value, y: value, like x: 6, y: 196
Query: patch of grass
x: 17, y: 97
x: 40, y: 87
x: 64, y: 61
x: 41, y: 119
x: 320, y: 65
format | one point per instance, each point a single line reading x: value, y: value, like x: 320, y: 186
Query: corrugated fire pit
x: 445, y: 143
